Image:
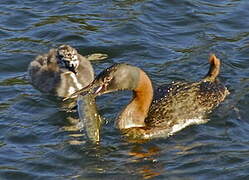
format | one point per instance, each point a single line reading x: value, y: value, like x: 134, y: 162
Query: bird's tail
x: 214, y: 68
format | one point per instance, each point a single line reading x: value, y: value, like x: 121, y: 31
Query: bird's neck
x: 134, y: 113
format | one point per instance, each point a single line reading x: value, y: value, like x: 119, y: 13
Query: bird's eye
x: 107, y: 79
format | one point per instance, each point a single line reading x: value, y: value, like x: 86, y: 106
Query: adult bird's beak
x: 93, y: 88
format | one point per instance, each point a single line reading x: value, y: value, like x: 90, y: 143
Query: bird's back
x: 181, y: 101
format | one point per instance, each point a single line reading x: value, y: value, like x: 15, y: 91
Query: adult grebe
x: 173, y: 107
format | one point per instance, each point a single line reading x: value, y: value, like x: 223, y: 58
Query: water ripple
x: 170, y: 40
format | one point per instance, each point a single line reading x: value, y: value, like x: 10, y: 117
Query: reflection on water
x: 75, y: 131
x: 152, y: 167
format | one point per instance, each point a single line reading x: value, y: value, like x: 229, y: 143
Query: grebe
x: 171, y: 109
x: 62, y: 71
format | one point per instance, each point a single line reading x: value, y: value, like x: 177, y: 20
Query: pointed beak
x: 94, y: 88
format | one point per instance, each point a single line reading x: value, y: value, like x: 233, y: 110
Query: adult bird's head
x: 115, y: 78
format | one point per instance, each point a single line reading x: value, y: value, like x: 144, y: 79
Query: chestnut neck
x: 136, y: 111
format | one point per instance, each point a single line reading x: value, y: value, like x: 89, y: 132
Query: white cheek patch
x: 74, y: 57
x: 74, y: 62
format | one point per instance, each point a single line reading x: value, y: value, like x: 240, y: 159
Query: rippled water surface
x: 170, y: 40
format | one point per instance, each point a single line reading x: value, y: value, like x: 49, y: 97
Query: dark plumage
x: 172, y: 107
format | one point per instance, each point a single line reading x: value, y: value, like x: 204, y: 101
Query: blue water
x: 170, y: 40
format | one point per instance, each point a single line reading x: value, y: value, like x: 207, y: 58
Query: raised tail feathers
x: 214, y: 68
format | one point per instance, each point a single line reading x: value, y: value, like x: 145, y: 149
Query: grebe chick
x: 62, y: 71
x: 165, y: 111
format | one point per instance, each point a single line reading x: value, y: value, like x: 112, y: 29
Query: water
x: 170, y: 40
